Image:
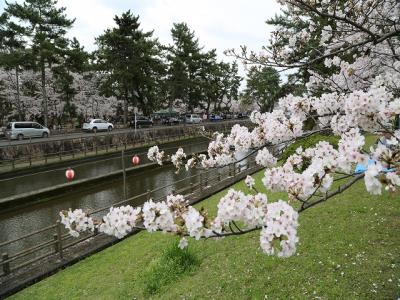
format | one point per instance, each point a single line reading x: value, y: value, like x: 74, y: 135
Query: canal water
x: 23, y: 220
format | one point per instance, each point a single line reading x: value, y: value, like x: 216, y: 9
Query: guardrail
x: 34, y: 154
x: 68, y: 130
x: 54, y: 240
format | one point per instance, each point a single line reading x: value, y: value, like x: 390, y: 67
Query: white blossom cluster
x: 178, y: 158
x: 249, y: 181
x: 219, y: 152
x: 194, y: 223
x: 309, y: 170
x: 280, y: 227
x: 158, y: 216
x: 240, y: 138
x: 120, y: 221
x: 239, y: 207
x: 265, y: 158
x: 350, y: 146
x: 154, y: 155
x: 176, y: 216
x: 76, y: 221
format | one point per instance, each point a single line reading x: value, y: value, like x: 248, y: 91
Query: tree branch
x: 328, y: 195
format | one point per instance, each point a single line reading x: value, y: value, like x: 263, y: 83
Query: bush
x: 308, y: 142
x: 173, y: 263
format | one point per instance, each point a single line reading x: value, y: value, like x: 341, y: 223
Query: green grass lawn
x: 349, y: 249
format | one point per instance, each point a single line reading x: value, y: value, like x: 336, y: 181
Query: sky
x: 220, y: 24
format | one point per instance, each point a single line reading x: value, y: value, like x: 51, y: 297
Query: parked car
x: 141, y: 121
x: 193, y: 119
x: 242, y: 116
x: 215, y: 118
x: 21, y: 130
x: 227, y: 116
x: 170, y: 121
x: 95, y: 125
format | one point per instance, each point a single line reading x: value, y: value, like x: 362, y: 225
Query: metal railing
x: 54, y: 240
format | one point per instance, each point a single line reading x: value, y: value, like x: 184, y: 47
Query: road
x: 57, y: 137
x: 76, y: 135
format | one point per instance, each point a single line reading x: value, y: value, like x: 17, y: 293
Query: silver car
x: 193, y: 119
x: 21, y: 130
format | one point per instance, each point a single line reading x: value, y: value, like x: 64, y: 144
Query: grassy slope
x: 349, y: 248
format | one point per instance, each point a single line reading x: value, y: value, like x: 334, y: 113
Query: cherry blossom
x: 120, y: 221
x: 177, y: 158
x: 359, y: 95
x: 249, y: 181
x: 154, y: 154
x: 76, y: 221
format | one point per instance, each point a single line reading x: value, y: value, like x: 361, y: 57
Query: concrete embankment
x: 48, y: 192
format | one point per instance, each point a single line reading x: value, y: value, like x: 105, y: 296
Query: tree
x: 45, y: 25
x: 263, y: 87
x: 220, y: 83
x: 75, y: 61
x: 130, y: 60
x: 184, y: 65
x: 5, y: 106
x: 13, y: 55
x: 195, y: 76
x: 361, y: 96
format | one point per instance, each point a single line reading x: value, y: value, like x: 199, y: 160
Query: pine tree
x: 45, y: 25
x: 130, y: 60
x: 75, y: 61
x: 184, y: 60
x: 220, y: 81
x: 262, y: 87
x: 13, y: 55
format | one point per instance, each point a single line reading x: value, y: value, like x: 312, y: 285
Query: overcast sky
x: 219, y: 24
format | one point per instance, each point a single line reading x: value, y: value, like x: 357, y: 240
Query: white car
x: 193, y: 119
x: 95, y: 125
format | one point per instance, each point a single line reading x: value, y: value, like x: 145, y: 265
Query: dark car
x: 141, y: 121
x: 242, y: 116
x: 227, y: 116
x: 215, y: 118
x: 170, y: 121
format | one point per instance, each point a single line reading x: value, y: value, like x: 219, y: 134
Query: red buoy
x: 70, y: 174
x: 135, y: 160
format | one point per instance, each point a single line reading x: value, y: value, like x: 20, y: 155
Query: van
x: 21, y: 130
x: 193, y: 119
